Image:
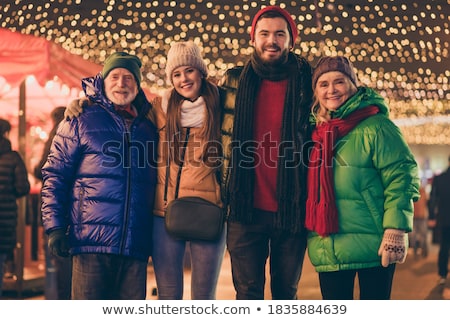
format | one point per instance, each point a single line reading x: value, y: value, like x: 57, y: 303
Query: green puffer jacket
x: 376, y: 179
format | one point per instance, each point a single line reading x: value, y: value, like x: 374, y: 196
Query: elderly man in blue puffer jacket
x: 99, y: 183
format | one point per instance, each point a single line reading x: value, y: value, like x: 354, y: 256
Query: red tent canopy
x: 22, y: 55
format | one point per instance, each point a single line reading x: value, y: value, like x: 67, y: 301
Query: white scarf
x: 192, y: 112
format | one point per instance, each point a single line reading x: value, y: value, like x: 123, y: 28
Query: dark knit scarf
x: 321, y: 210
x: 289, y: 184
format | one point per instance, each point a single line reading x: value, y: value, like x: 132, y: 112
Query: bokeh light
x: 400, y: 48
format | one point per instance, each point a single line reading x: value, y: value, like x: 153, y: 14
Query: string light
x: 399, y: 48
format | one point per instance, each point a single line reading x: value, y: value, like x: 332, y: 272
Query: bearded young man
x: 264, y: 130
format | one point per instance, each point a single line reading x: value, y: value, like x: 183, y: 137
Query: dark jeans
x: 251, y: 245
x: 108, y: 277
x: 374, y: 283
x: 63, y: 277
x: 3, y: 257
x: 444, y: 247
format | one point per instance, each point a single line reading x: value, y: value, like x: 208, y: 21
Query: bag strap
x: 177, y: 186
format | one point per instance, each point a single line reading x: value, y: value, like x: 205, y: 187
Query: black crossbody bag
x: 191, y: 218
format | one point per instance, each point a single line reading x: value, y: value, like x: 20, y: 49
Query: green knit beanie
x: 123, y: 60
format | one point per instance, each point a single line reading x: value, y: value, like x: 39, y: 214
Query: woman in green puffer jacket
x: 362, y: 182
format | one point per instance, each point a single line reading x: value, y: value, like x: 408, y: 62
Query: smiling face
x: 187, y: 81
x: 272, y: 39
x: 121, y: 87
x: 333, y: 89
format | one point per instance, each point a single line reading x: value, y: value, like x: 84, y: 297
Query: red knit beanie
x: 291, y: 24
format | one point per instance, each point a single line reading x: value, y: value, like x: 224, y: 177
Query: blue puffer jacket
x: 99, y: 179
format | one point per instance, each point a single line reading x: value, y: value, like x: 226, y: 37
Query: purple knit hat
x: 327, y: 64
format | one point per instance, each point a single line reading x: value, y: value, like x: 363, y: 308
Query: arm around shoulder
x: 75, y: 107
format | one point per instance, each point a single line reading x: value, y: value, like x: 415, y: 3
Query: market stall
x: 36, y: 75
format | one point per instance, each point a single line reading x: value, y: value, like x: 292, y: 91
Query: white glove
x: 393, y: 247
x: 75, y: 107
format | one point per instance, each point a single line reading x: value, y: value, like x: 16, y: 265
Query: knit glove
x: 58, y: 244
x: 393, y: 247
x: 75, y: 107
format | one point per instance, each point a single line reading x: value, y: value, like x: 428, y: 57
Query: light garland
x: 399, y: 48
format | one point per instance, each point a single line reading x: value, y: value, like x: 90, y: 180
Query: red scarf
x: 321, y: 210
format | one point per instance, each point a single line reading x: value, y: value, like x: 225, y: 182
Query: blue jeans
x: 58, y: 276
x: 250, y: 245
x: 168, y: 263
x: 3, y: 257
x: 108, y: 277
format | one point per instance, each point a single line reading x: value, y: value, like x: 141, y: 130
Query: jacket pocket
x: 375, y: 212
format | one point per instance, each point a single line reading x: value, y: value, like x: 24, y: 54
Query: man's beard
x: 273, y: 63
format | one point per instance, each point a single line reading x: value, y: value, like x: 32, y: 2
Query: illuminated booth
x: 26, y: 64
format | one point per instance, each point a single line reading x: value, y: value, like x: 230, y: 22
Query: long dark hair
x: 211, y: 126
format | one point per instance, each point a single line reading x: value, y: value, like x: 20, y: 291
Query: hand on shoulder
x: 75, y: 107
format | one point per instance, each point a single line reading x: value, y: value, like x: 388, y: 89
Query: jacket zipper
x: 127, y: 156
x: 80, y: 204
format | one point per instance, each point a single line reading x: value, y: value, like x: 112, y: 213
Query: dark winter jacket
x: 440, y: 199
x: 99, y: 179
x: 229, y: 88
x: 13, y: 184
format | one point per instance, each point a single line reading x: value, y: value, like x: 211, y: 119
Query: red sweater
x: 268, y: 117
